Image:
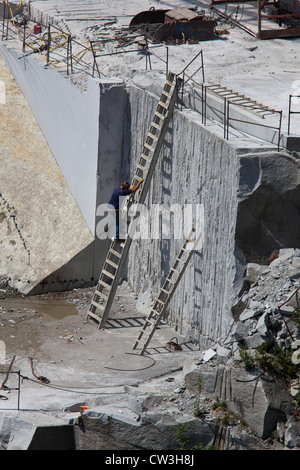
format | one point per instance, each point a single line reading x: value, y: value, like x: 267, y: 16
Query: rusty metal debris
x: 151, y: 16
x: 264, y: 19
x: 179, y: 25
x: 41, y: 378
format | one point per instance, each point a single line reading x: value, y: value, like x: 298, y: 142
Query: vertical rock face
x: 268, y: 216
x: 251, y: 207
x: 195, y: 167
x: 41, y: 227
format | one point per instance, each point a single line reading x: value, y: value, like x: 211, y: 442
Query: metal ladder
x: 118, y: 251
x: 238, y: 99
x: 166, y: 293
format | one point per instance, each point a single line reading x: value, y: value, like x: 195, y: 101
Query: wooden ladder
x: 166, y: 293
x: 118, y: 251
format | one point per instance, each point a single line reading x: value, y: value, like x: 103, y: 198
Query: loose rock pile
x: 268, y: 308
x: 219, y: 403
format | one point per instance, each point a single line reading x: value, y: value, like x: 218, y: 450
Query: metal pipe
x: 289, y: 116
x: 19, y: 389
x: 279, y: 129
x: 49, y: 41
x: 3, y: 19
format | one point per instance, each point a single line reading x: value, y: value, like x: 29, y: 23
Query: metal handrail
x: 18, y: 388
x: 291, y: 112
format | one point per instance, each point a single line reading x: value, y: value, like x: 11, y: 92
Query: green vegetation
x: 183, y: 440
x: 224, y: 415
x: 182, y: 436
x: 276, y: 360
x: 297, y: 318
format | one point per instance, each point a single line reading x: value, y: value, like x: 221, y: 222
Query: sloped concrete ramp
x: 41, y: 226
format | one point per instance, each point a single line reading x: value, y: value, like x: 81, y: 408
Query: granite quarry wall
x: 251, y: 209
x: 250, y: 199
x: 195, y: 167
x: 75, y: 132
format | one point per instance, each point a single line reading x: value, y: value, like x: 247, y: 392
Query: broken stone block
x: 262, y: 403
x: 256, y: 305
x: 248, y: 313
x: 286, y: 254
x: 240, y: 331
x: 254, y: 271
x: 287, y: 310
x: 223, y: 352
x: 254, y: 341
x: 155, y: 431
x: 209, y: 354
x: 262, y: 326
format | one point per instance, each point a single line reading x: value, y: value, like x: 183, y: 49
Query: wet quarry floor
x: 50, y: 337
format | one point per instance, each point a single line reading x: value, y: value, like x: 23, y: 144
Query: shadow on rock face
x: 269, y: 212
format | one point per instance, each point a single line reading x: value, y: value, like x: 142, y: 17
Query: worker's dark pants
x: 117, y: 224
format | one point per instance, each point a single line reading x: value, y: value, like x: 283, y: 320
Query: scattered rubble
x: 232, y: 396
x: 267, y: 310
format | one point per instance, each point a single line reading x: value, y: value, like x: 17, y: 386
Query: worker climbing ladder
x: 166, y: 292
x: 118, y: 251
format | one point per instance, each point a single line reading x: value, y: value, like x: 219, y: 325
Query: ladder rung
x: 111, y: 263
x: 107, y: 273
x: 100, y: 294
x: 164, y: 290
x: 149, y: 147
x: 152, y: 136
x: 145, y: 157
x: 164, y: 105
x: 161, y: 116
x: 95, y: 304
x: 149, y: 321
x: 94, y: 315
x: 115, y: 253
x: 141, y: 167
x: 166, y: 93
x: 156, y: 125
x: 169, y: 83
x: 175, y: 271
x: 104, y: 284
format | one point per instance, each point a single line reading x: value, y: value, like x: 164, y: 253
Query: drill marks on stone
x: 4, y: 203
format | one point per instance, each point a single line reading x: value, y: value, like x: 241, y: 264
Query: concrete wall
x: 41, y: 227
x: 69, y: 121
x: 83, y: 134
x: 196, y: 167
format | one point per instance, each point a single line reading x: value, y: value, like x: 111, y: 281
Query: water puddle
x: 50, y: 309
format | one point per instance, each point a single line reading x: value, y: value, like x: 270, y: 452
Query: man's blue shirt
x: 114, y: 200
